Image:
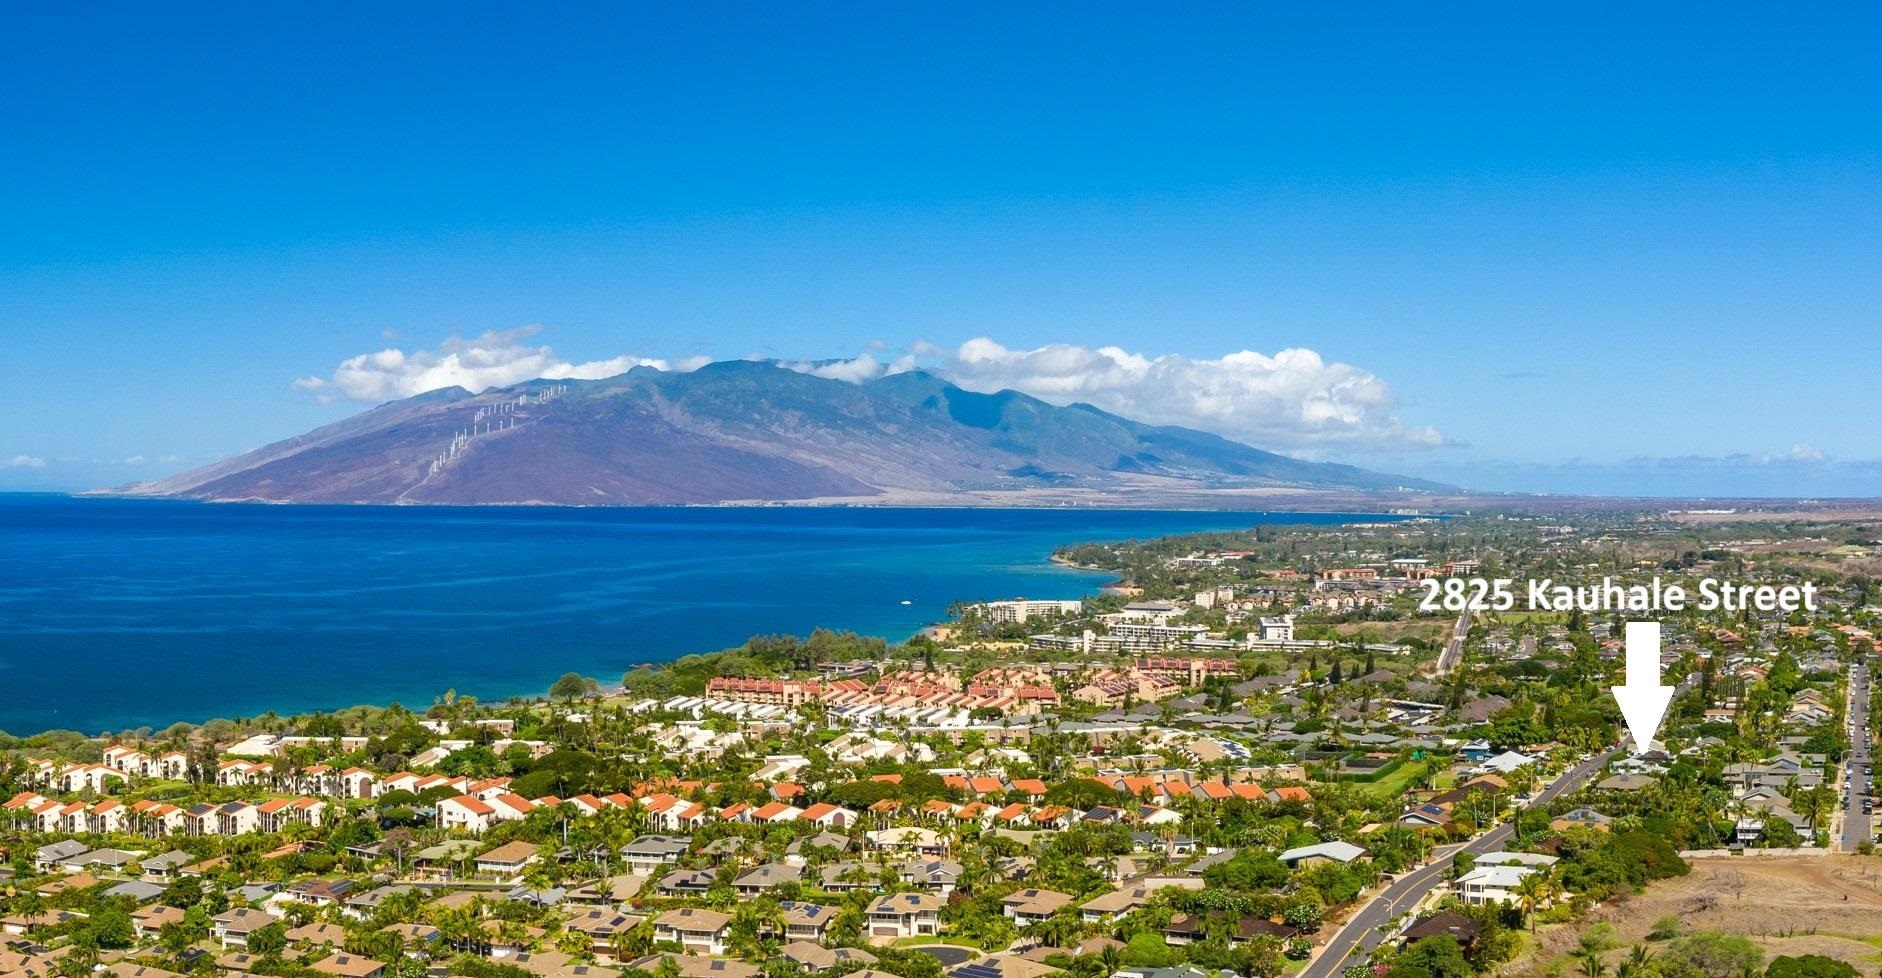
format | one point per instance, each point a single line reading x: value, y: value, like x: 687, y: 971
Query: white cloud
x: 865, y: 367
x: 24, y: 462
x: 495, y: 359
x: 1292, y: 400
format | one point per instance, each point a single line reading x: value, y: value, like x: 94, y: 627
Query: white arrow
x: 1643, y: 700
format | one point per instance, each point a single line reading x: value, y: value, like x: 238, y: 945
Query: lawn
x: 1399, y: 781
x: 919, y: 941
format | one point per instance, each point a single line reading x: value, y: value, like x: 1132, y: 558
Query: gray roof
x: 769, y: 874
x: 379, y: 894
x: 169, y: 860
x: 657, y: 846
x: 61, y: 850
x: 137, y: 890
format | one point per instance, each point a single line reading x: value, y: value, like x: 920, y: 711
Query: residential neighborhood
x: 1208, y: 766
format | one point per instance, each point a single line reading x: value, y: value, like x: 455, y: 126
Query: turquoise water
x: 121, y: 613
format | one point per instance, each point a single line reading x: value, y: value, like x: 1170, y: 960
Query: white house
x: 465, y: 812
x: 1491, y: 884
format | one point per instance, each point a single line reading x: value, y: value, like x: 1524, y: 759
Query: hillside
x: 736, y: 431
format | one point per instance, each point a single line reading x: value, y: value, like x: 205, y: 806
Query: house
x: 343, y: 965
x: 685, y: 882
x: 1032, y: 905
x: 1586, y: 818
x: 905, y: 915
x: 23, y: 924
x: 80, y: 881
x: 1186, y: 928
x: 316, y: 934
x: 601, y: 925
x: 513, y: 946
x: 798, y: 853
x: 830, y: 816
x: 1449, y: 922
x: 464, y: 812
x: 232, y: 928
x: 758, y: 879
x: 149, y: 920
x: 319, y: 893
x: 125, y: 969
x: 923, y: 841
x: 698, y: 930
x: 1426, y: 816
x: 1533, y: 860
x: 815, y: 957
x: 1491, y: 884
x: 356, y: 783
x: 418, y: 938
x: 650, y: 852
x: 105, y: 860
x: 1508, y: 761
x: 687, y: 965
x: 939, y: 875
x: 1115, y: 903
x: 163, y: 868
x: 50, y: 858
x: 777, y: 811
x: 136, y: 891
x: 439, y: 862
x: 609, y: 892
x: 805, y: 921
x: 506, y: 807
x: 1324, y: 852
x: 507, y: 861
x: 362, y: 905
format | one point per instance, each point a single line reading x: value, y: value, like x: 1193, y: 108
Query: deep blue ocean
x: 123, y: 613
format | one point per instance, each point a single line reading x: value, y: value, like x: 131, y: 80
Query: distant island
x: 753, y: 432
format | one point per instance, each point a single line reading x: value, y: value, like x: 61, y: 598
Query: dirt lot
x: 1830, y: 905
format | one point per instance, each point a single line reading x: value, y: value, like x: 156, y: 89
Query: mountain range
x: 740, y: 431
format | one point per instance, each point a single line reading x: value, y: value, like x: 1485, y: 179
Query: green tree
x: 572, y: 686
x: 1809, y: 966
x: 1717, y: 955
x: 1432, y: 957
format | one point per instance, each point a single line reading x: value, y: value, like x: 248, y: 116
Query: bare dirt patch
x: 1829, y: 905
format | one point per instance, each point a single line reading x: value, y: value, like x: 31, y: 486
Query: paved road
x: 1361, y: 932
x: 1856, y: 825
x: 1454, y: 649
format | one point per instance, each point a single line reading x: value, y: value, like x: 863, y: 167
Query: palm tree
x: 1635, y: 964
x: 1591, y: 967
x: 1813, y: 804
x: 1530, y: 896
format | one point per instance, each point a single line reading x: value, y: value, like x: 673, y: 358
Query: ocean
x: 118, y: 613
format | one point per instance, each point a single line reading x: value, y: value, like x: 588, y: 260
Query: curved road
x: 1361, y: 931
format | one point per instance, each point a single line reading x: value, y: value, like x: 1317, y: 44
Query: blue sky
x: 1594, y: 248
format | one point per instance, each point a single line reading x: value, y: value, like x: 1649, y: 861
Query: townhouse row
x: 158, y: 819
